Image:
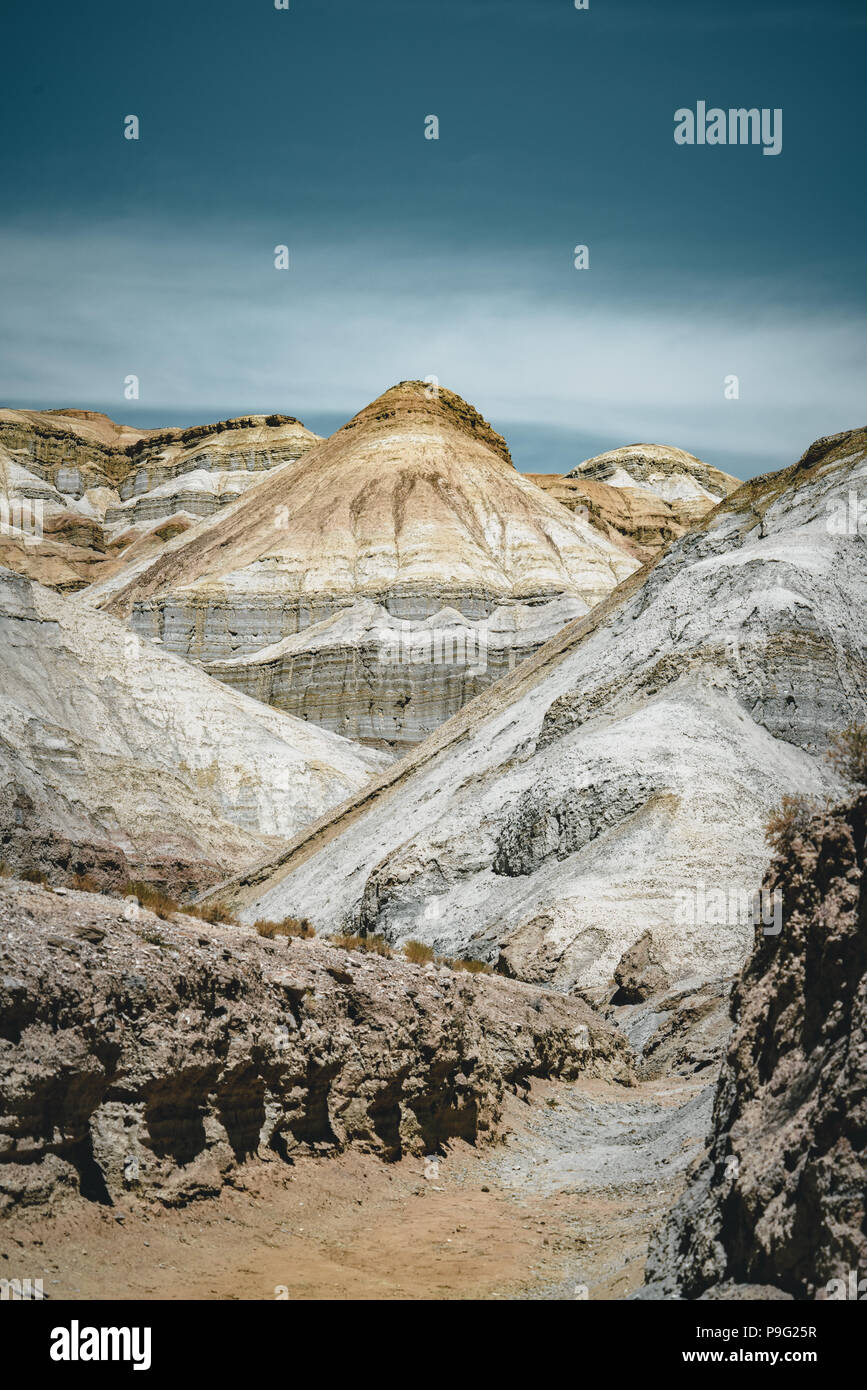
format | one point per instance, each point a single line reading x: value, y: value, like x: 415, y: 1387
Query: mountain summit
x: 380, y: 582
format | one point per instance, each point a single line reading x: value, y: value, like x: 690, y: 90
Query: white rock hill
x: 112, y: 750
x: 620, y: 779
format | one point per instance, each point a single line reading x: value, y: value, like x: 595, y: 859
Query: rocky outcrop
x: 620, y: 779
x: 84, y: 470
x: 327, y: 588
x: 781, y: 1198
x: 152, y: 1058
x: 689, y: 486
x: 77, y: 450
x: 119, y: 760
x: 639, y: 521
x: 638, y: 974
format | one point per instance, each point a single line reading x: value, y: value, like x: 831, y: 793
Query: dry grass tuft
x: 417, y: 953
x: 213, y: 913
x: 290, y: 926
x: 472, y: 967
x: 373, y: 945
x: 848, y: 753
x: 790, y: 820
x: 84, y: 883
x: 154, y: 899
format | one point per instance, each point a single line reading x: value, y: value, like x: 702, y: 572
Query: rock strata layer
x: 328, y: 589
x: 689, y: 486
x: 639, y: 521
x: 92, y: 490
x: 156, y: 1058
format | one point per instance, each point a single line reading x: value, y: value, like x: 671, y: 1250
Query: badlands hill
x: 109, y: 494
x: 619, y: 781
x: 690, y: 486
x: 378, y: 584
x: 121, y: 761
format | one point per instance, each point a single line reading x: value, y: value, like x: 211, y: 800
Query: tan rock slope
x: 639, y: 521
x: 121, y: 761
x: 109, y: 495
x: 619, y: 781
x: 376, y: 586
x: 641, y: 496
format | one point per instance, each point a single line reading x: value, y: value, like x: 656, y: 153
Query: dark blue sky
x: 453, y: 257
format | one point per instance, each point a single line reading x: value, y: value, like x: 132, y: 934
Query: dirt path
x: 565, y: 1202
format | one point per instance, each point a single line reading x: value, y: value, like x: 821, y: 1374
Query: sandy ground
x: 561, y: 1209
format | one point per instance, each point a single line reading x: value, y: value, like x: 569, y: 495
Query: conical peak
x: 414, y: 403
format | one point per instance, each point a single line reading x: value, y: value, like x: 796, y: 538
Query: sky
x: 452, y: 258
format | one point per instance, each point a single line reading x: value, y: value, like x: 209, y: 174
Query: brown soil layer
x: 538, y: 1216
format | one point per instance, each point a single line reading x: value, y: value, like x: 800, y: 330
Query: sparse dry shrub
x: 214, y: 912
x: 374, y: 945
x: 472, y: 967
x: 788, y: 820
x: 33, y: 876
x: 290, y: 926
x: 84, y: 883
x: 154, y: 899
x: 417, y: 953
x: 848, y: 753
x: 5, y: 871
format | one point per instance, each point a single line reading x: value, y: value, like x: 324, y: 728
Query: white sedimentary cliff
x: 117, y: 758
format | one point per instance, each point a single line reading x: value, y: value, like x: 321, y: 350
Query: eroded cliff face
x: 156, y: 1058
x: 781, y: 1198
x: 619, y: 780
x: 640, y: 521
x: 109, y: 495
x: 327, y: 589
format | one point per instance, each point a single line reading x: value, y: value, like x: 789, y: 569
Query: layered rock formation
x: 620, y: 779
x: 689, y: 486
x: 394, y: 572
x: 780, y: 1199
x: 97, y: 495
x: 639, y: 521
x: 152, y: 1058
x: 119, y: 760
